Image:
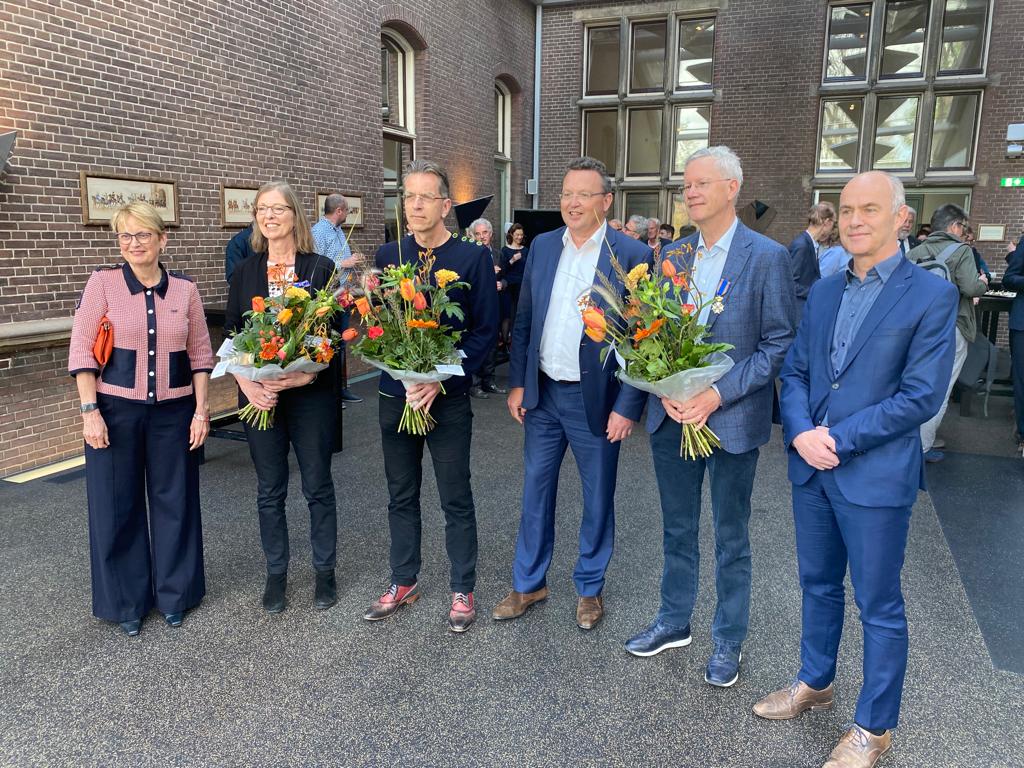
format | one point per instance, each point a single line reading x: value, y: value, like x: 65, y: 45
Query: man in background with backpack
x: 944, y: 253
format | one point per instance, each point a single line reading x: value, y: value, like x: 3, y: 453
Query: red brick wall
x: 203, y: 93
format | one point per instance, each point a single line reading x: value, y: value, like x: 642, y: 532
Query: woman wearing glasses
x: 305, y: 404
x: 144, y: 412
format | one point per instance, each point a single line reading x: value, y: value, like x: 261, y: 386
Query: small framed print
x: 103, y: 195
x: 991, y: 233
x: 355, y: 209
x: 236, y: 204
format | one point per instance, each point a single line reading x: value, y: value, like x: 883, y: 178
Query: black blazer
x: 250, y: 279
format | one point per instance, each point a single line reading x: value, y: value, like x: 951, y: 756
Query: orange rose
x: 407, y: 288
x: 284, y: 316
x: 349, y: 334
x: 363, y: 306
x: 258, y: 305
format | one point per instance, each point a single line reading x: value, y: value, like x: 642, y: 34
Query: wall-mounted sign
x: 1012, y: 181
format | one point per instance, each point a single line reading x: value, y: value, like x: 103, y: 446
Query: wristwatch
x: 86, y: 407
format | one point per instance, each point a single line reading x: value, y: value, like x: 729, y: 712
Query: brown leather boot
x: 859, y: 749
x: 790, y: 702
x: 516, y: 603
x: 589, y: 611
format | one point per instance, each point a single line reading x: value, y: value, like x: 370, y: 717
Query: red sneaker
x: 391, y: 601
x: 463, y: 613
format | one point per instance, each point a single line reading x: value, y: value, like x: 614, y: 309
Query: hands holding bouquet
x: 655, y: 333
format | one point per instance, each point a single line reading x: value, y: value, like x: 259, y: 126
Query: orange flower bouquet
x: 404, y: 311
x: 655, y: 334
x: 283, y: 334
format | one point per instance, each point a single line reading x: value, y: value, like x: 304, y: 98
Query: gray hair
x: 591, y: 164
x: 639, y: 222
x: 426, y: 166
x: 657, y: 222
x: 333, y: 202
x: 727, y: 162
x: 913, y: 210
x: 480, y: 222
x: 946, y: 216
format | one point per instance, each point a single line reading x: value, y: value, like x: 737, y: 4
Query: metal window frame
x: 628, y: 84
x: 587, y: 30
x: 824, y: 173
x: 920, y: 96
x: 939, y: 75
x: 973, y: 153
x: 675, y: 59
x: 867, y: 46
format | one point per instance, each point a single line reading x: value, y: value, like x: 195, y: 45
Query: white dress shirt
x: 563, y: 324
x: 707, y: 268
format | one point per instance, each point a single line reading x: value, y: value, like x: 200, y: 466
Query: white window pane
x: 840, y: 135
x: 963, y: 36
x: 647, y: 68
x: 894, y: 136
x: 603, y: 60
x: 905, y: 24
x: 692, y: 126
x: 953, y: 131
x: 696, y: 52
x: 600, y: 136
x: 644, y: 155
x: 643, y: 203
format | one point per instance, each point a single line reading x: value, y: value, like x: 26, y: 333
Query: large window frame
x: 402, y: 132
x: 928, y: 86
x: 503, y: 150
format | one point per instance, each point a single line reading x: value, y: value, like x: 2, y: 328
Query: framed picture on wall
x: 236, y: 204
x: 103, y: 195
x: 355, y: 208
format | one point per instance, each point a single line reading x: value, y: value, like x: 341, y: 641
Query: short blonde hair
x: 141, y: 211
x: 301, y: 233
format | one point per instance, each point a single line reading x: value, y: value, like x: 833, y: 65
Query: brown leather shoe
x: 589, y: 611
x: 859, y: 749
x: 391, y: 601
x: 790, y: 702
x: 516, y: 603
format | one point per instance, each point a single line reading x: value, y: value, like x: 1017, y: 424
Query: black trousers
x: 1017, y: 359
x: 449, y: 443
x: 304, y: 419
x: 140, y: 560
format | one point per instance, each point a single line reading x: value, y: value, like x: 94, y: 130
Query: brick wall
x: 203, y: 93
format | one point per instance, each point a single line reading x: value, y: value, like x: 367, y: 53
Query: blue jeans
x: 679, y: 484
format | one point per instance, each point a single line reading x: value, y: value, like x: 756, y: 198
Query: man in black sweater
x: 426, y: 202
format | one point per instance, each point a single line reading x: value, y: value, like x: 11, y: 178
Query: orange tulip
x: 349, y: 334
x: 668, y: 269
x: 321, y: 311
x: 363, y: 306
x: 594, y: 324
x: 407, y: 288
x: 258, y: 305
x: 419, y: 302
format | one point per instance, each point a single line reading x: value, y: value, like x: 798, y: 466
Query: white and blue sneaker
x: 657, y: 638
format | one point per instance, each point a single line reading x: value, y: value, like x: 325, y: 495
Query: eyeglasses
x: 701, y: 186
x: 412, y: 197
x: 277, y: 210
x: 581, y: 196
x: 124, y: 238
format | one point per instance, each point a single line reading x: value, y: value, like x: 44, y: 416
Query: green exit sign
x: 1012, y: 181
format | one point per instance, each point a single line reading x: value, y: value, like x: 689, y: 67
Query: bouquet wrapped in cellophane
x: 290, y: 333
x: 403, y: 311
x: 655, y: 334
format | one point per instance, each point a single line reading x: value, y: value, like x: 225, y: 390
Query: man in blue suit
x: 759, y: 318
x: 1013, y: 280
x: 565, y: 395
x: 870, y: 364
x: 803, y: 251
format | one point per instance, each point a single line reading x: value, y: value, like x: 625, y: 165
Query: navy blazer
x: 803, y: 259
x: 759, y: 321
x: 602, y: 392
x: 893, y: 380
x: 1013, y: 280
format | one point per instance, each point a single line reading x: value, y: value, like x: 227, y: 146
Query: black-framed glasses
x: 413, y: 197
x: 277, y: 210
x: 124, y: 238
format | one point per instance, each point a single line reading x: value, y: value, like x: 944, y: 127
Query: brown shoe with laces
x: 859, y: 749
x: 789, y: 702
x: 589, y: 611
x: 391, y: 601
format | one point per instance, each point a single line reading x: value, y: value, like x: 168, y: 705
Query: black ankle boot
x: 273, y: 596
x: 326, y: 593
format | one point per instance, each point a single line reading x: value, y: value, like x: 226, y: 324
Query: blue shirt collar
x: 883, y: 269
x: 725, y: 242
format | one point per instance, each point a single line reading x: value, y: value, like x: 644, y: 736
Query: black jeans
x: 304, y: 418
x: 1017, y: 359
x: 449, y: 443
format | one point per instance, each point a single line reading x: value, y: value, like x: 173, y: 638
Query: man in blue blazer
x: 565, y: 395
x: 870, y: 364
x: 803, y: 251
x: 759, y: 317
x: 1013, y: 280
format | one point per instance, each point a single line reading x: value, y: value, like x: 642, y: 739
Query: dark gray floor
x: 236, y: 687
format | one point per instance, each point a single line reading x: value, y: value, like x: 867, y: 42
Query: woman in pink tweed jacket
x: 143, y: 415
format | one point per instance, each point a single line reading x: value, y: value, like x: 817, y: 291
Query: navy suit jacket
x: 602, y: 392
x: 1013, y: 280
x: 759, y: 321
x: 893, y: 380
x: 804, y: 262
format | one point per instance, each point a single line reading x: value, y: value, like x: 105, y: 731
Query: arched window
x: 503, y: 154
x: 398, y: 118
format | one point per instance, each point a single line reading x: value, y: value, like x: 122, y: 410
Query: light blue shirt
x: 330, y: 241
x: 833, y: 260
x: 563, y: 324
x: 707, y: 268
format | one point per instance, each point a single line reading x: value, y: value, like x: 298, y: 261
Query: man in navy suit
x: 1013, y: 280
x: 565, y: 395
x: 803, y: 251
x: 759, y: 317
x: 869, y: 366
